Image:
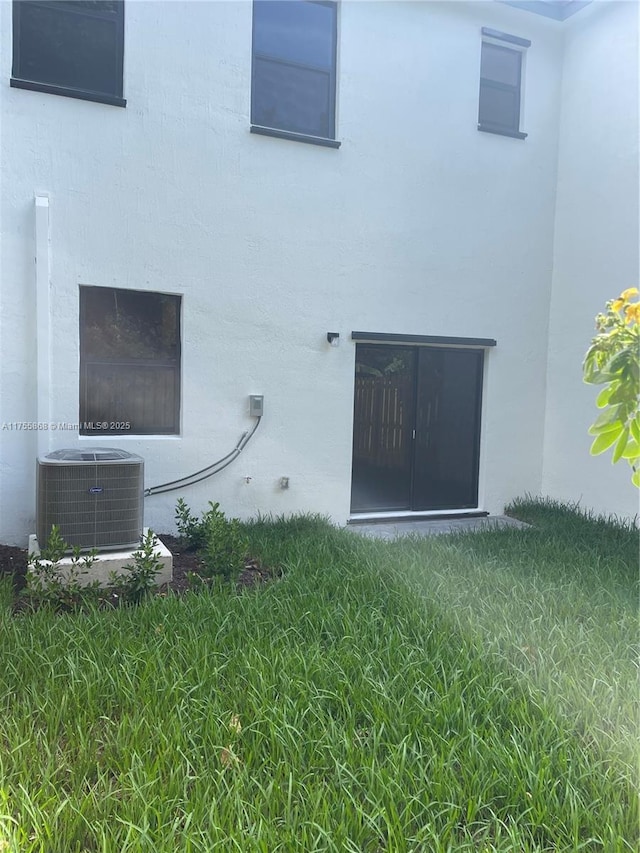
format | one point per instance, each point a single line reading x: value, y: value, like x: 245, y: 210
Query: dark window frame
x: 432, y: 340
x: 19, y: 80
x: 513, y: 45
x: 329, y: 141
x: 87, y: 361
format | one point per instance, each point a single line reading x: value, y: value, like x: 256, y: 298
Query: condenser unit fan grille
x: 94, y: 504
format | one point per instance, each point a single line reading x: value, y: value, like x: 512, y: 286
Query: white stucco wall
x: 596, y: 243
x: 418, y: 224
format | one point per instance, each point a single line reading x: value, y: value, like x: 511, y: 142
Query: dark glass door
x: 384, y: 418
x: 416, y: 434
x: 446, y: 452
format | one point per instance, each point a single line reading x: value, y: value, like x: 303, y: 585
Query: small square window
x: 500, y: 90
x: 293, y: 85
x: 69, y: 47
x: 129, y: 362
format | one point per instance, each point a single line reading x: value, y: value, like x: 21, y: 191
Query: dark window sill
x: 151, y: 432
x: 49, y: 89
x: 514, y: 134
x: 296, y: 137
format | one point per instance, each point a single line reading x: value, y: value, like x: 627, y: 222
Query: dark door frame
x: 419, y: 342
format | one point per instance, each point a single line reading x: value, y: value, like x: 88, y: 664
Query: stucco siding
x: 596, y: 244
x: 418, y: 224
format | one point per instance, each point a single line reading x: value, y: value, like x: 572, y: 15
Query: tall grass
x: 558, y: 602
x: 370, y: 700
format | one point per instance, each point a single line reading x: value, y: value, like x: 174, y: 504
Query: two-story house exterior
x: 395, y: 221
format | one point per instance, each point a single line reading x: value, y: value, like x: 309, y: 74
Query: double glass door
x: 416, y: 428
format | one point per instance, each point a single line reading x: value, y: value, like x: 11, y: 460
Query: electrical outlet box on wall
x: 256, y: 405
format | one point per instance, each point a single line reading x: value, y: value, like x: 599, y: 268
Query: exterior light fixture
x: 333, y: 338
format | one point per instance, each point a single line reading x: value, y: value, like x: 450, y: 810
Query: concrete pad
x: 113, y: 561
x: 394, y: 529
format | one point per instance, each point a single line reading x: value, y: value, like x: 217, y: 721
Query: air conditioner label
x: 96, y: 490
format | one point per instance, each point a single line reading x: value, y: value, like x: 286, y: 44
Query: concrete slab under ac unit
x: 113, y: 561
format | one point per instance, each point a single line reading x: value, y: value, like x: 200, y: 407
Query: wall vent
x: 94, y: 495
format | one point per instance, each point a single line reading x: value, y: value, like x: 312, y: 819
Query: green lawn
x: 467, y: 693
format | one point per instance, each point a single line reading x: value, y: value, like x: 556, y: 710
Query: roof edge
x: 558, y: 10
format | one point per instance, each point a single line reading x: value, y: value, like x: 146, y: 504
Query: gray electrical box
x: 256, y: 405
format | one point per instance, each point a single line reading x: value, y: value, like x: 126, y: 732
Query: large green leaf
x: 621, y: 392
x: 604, y: 441
x: 632, y: 450
x: 619, y: 361
x: 594, y: 367
x: 635, y: 428
x: 635, y: 478
x: 597, y: 377
x: 607, y: 421
x: 621, y: 444
x: 603, y: 397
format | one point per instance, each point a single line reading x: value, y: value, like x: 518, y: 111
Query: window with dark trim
x: 293, y: 80
x: 69, y: 47
x: 129, y: 362
x: 501, y: 85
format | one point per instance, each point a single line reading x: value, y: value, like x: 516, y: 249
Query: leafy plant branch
x: 613, y: 360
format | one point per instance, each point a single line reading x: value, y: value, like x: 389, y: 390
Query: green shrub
x: 47, y: 584
x: 191, y: 529
x: 225, y: 546
x: 139, y: 577
x: 613, y: 360
x: 219, y: 540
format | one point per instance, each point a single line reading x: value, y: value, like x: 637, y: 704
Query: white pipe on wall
x: 43, y: 323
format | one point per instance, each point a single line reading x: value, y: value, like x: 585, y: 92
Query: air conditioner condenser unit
x: 94, y: 495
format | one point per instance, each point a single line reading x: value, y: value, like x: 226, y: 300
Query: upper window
x: 294, y: 67
x: 501, y: 87
x: 129, y: 362
x: 69, y: 47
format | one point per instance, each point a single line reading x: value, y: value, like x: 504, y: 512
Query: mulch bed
x: 185, y: 561
x: 13, y: 563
